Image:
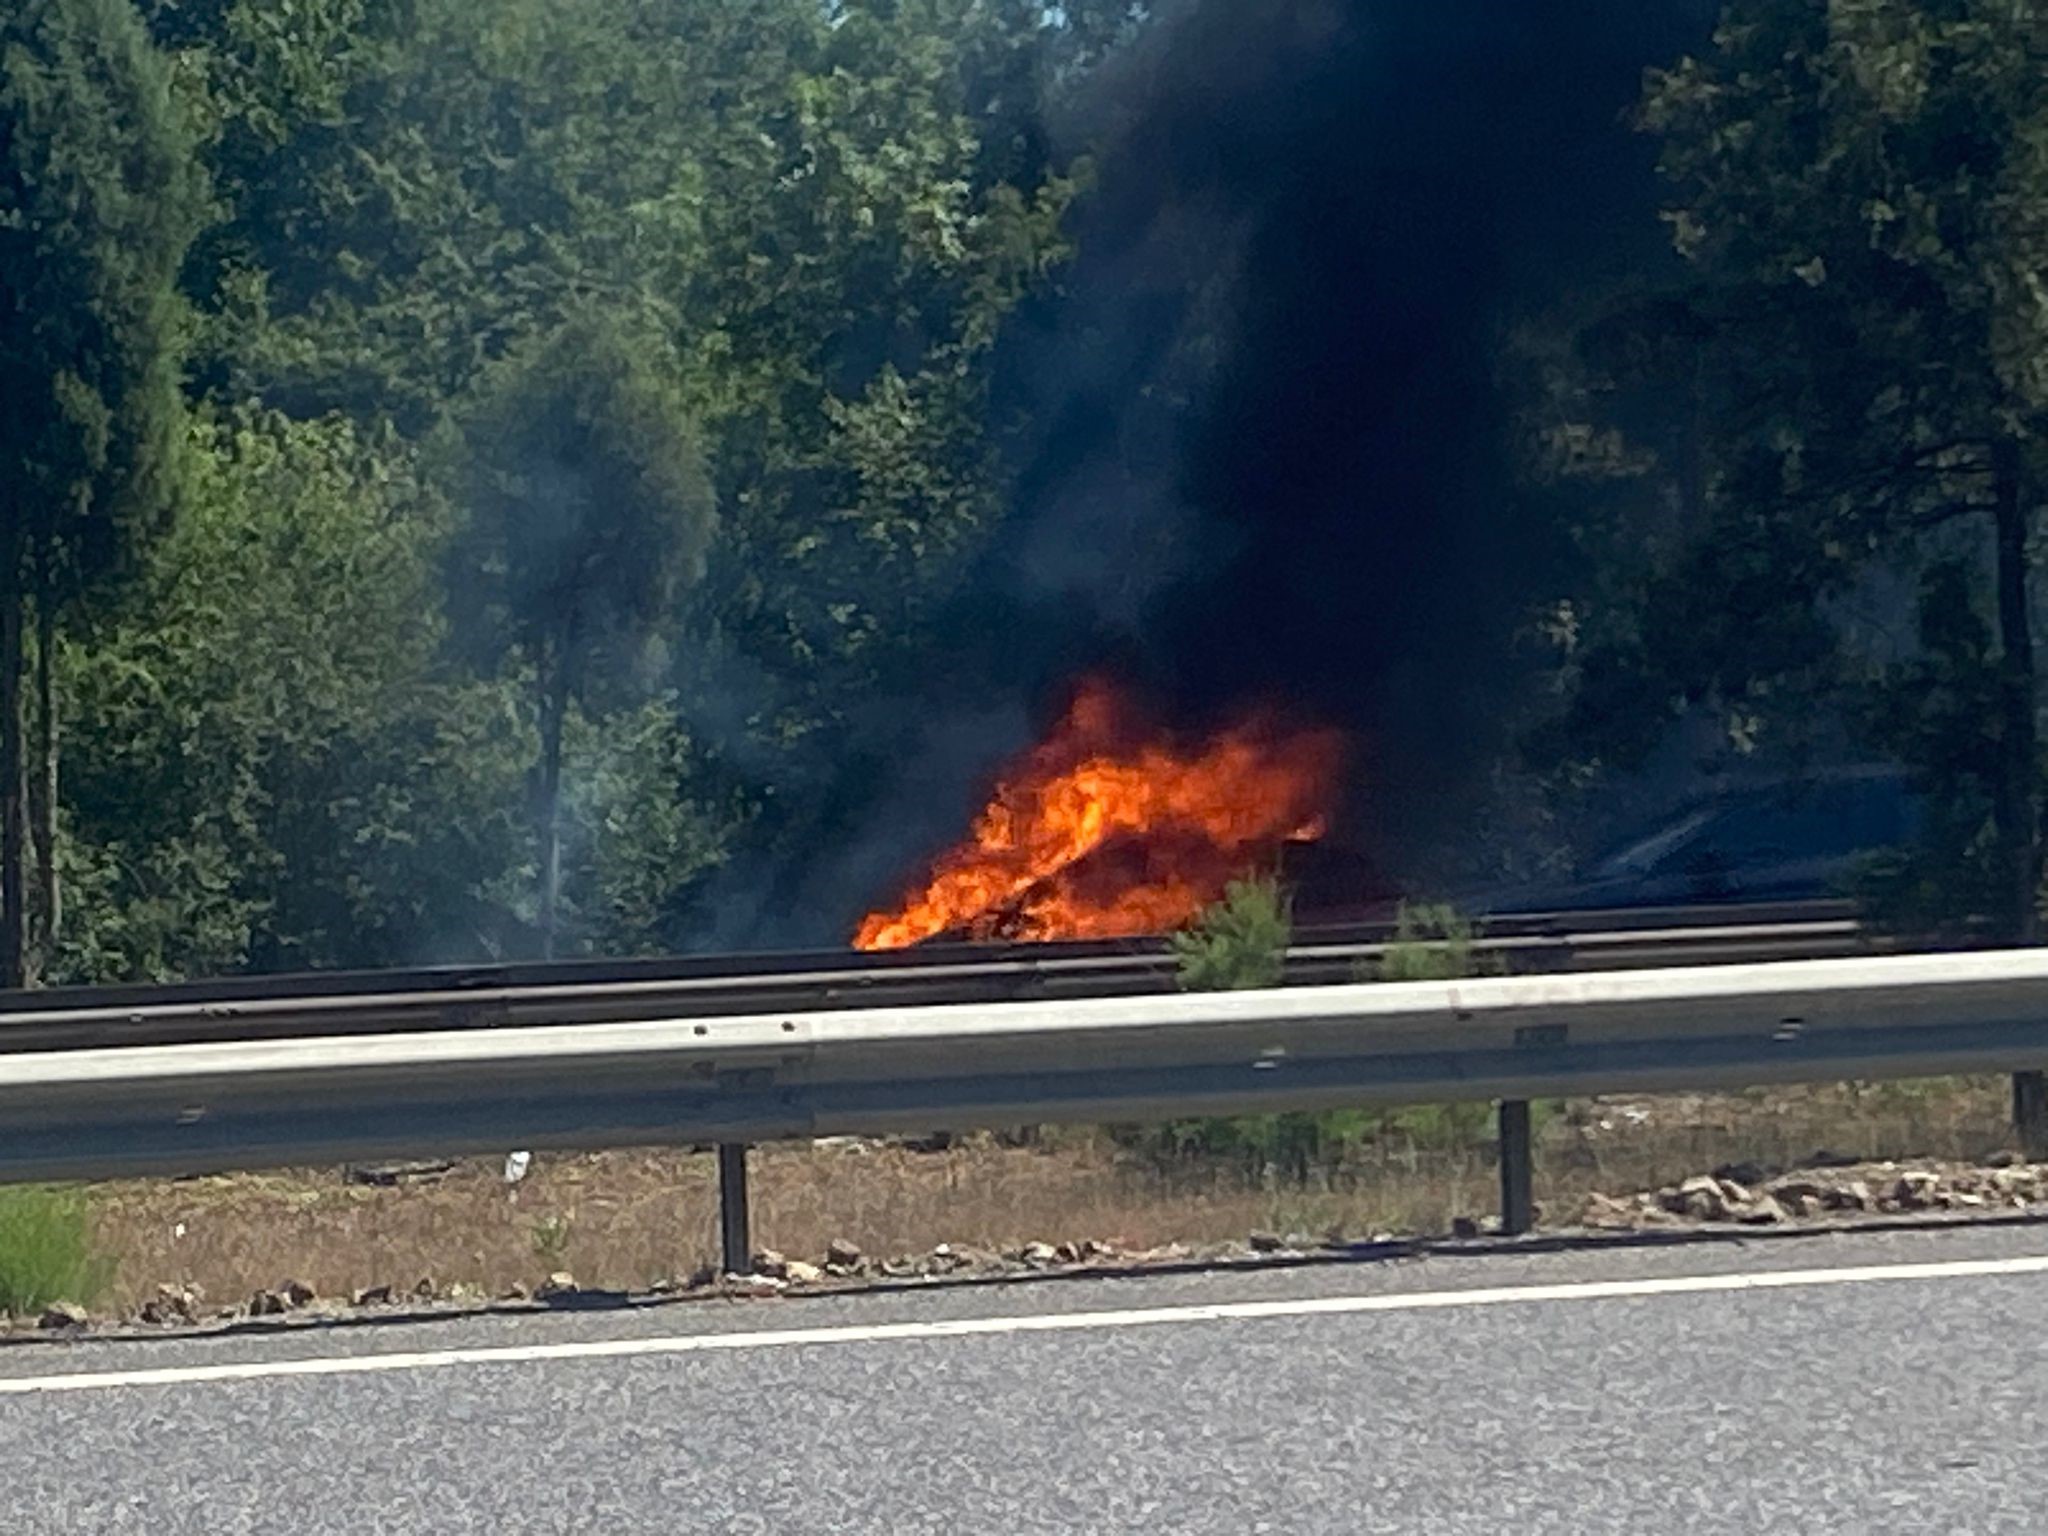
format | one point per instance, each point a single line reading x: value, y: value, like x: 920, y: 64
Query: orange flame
x: 1105, y: 830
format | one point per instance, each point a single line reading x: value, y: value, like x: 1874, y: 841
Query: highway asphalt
x: 1874, y: 1383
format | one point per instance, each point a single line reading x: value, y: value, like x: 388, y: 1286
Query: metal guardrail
x: 258, y: 1008
x: 757, y: 967
x: 737, y: 1079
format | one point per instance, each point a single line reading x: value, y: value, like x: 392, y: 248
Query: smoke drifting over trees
x: 1271, y: 458
x: 1330, y: 362
x: 1264, y: 455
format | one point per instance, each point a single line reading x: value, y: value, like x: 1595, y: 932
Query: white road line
x: 1055, y: 1322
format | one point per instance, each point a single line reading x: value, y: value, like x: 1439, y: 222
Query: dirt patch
x: 635, y: 1218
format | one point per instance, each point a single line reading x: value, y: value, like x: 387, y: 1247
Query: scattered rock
x: 798, y: 1272
x: 769, y: 1262
x: 1838, y: 1188
x: 842, y: 1253
x: 372, y: 1296
x: 2004, y: 1157
x: 1701, y: 1197
x: 1917, y: 1189
x: 1263, y: 1241
x: 559, y: 1284
x: 1068, y: 1253
x: 172, y: 1304
x: 753, y: 1285
x: 1095, y: 1251
x: 386, y: 1174
x: 2018, y: 1185
x: 1039, y: 1254
x: 946, y: 1259
x: 424, y: 1289
x: 288, y: 1297
x: 1792, y: 1187
x: 1744, y: 1173
x: 517, y: 1292
x: 64, y: 1314
x: 1762, y: 1211
x: 1464, y: 1226
x: 1606, y: 1211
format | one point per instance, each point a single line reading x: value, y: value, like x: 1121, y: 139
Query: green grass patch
x: 46, y: 1249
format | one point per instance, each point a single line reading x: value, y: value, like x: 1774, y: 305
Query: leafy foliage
x: 506, y: 323
x: 285, y: 771
x: 1843, y: 404
x: 578, y: 417
x: 1432, y: 942
x: 100, y: 197
x: 1239, y: 943
x: 1242, y: 942
x: 589, y: 512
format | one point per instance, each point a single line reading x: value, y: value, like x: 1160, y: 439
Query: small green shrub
x: 1432, y: 942
x: 1240, y: 942
x: 551, y: 1238
x: 46, y: 1249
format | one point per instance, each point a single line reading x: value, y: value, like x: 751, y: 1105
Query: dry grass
x: 629, y: 1218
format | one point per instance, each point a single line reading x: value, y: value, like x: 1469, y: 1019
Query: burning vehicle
x: 1113, y: 826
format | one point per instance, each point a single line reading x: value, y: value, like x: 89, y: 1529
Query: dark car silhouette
x: 1792, y: 840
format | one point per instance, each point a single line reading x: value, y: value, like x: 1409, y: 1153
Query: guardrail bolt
x: 2030, y: 1112
x: 733, y: 1236
x: 1517, y: 1168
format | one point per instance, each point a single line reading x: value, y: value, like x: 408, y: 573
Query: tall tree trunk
x: 43, y: 787
x: 554, y: 708
x: 2015, y: 802
x: 13, y: 812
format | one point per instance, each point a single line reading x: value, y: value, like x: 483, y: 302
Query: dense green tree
x: 547, y: 252
x: 589, y: 513
x: 100, y: 197
x: 644, y: 824
x: 286, y: 769
x: 1847, y: 400
x: 414, y: 190
x: 829, y: 213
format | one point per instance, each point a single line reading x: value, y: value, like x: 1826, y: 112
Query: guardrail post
x: 1517, y: 1168
x: 2030, y: 1112
x: 736, y: 1245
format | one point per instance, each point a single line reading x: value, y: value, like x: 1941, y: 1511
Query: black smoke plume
x: 1268, y: 456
